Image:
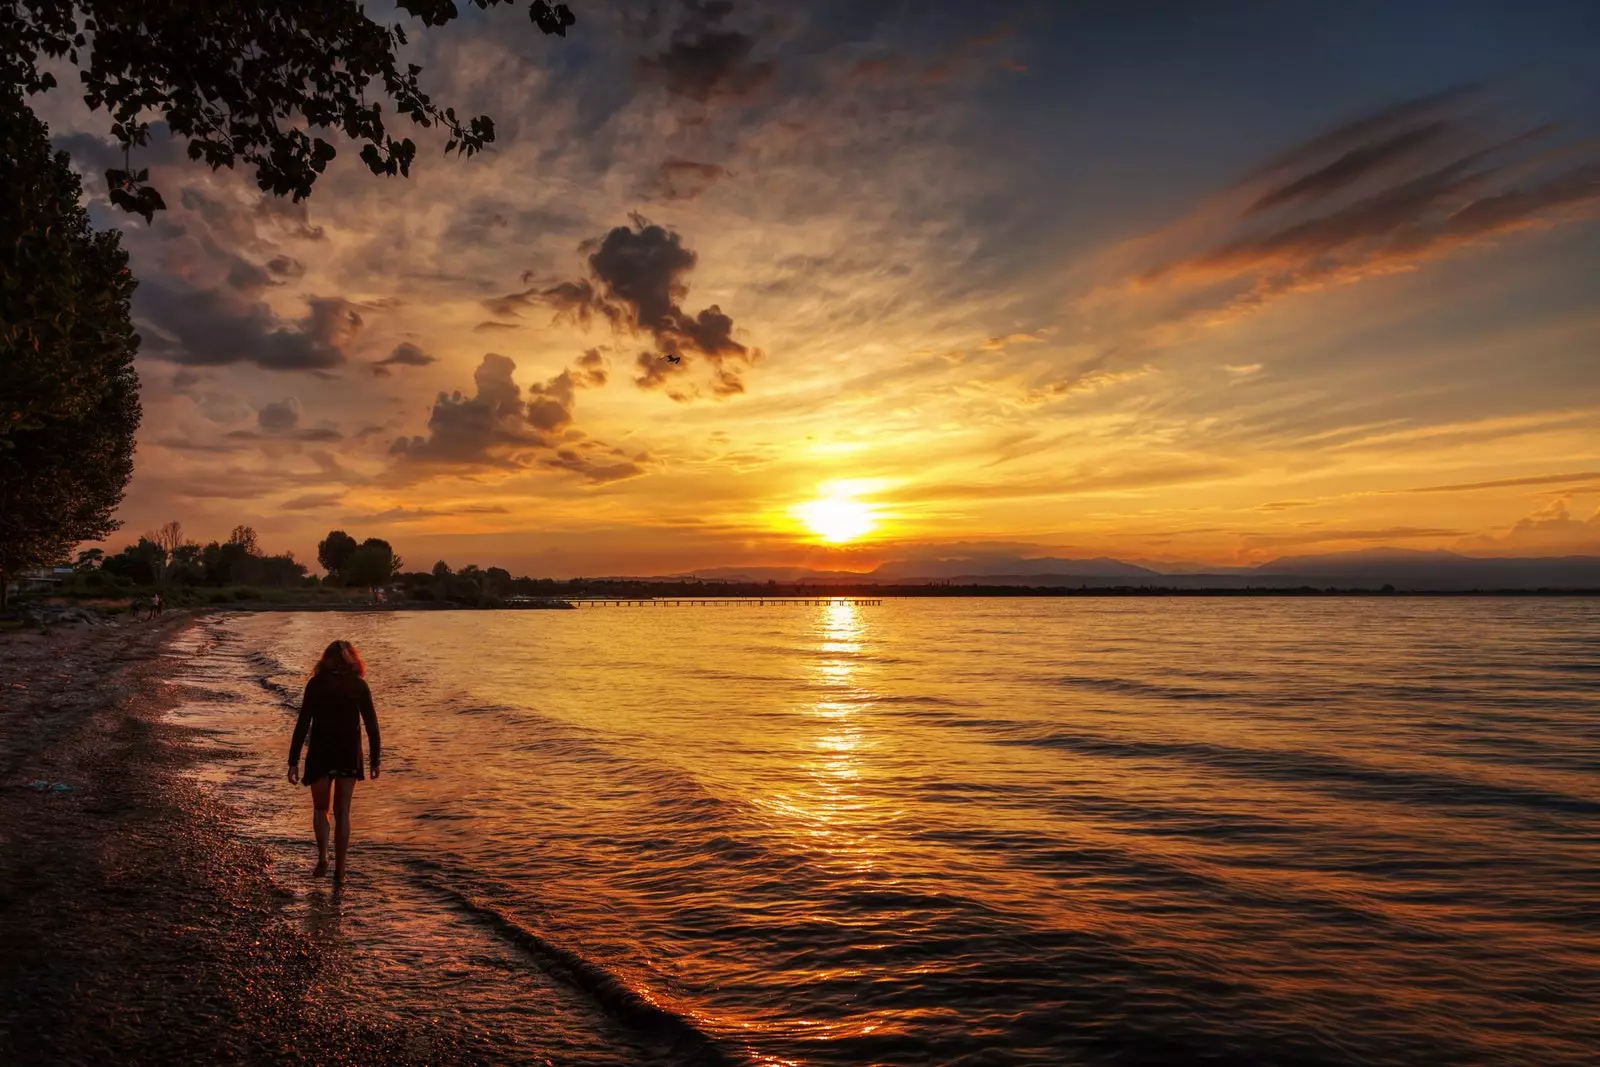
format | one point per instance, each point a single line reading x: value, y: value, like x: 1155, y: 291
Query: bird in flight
x: 673, y: 359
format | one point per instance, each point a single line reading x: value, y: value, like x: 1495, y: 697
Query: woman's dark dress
x: 335, y: 706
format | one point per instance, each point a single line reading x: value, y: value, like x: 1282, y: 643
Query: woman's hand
x: 294, y: 774
x: 374, y: 771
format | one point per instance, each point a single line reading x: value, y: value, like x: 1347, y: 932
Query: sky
x: 1190, y: 284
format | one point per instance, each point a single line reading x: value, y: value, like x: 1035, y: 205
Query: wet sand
x: 137, y: 924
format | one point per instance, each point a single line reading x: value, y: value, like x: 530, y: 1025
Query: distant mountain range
x: 1431, y: 571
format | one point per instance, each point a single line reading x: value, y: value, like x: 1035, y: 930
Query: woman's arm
x: 301, y: 727
x: 369, y: 717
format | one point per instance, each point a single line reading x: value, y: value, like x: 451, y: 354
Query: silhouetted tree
x: 441, y: 569
x: 282, y: 571
x: 137, y: 562
x: 498, y: 581
x: 245, y: 538
x: 244, y: 80
x: 372, y: 565
x: 333, y: 550
x: 69, y: 401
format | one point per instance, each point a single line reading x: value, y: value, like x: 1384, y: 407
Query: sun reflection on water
x: 827, y: 801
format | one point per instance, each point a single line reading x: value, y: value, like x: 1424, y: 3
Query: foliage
x: 245, y: 538
x: 236, y: 561
x: 142, y: 562
x: 246, y: 80
x: 333, y: 550
x: 69, y: 401
x: 371, y: 565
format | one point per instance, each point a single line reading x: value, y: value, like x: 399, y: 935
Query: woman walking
x: 337, y: 703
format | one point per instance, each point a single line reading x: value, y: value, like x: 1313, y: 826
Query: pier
x: 686, y: 602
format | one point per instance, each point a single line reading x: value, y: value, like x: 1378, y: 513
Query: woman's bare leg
x: 321, y: 795
x: 343, y: 790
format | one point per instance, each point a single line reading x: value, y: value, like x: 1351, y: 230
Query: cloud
x: 210, y: 328
x: 1508, y: 483
x: 591, y: 368
x: 639, y: 273
x: 405, y: 354
x: 312, y: 502
x: 497, y: 428
x: 598, y: 473
x: 279, y: 416
x: 550, y: 404
x: 1549, y: 531
x: 684, y: 179
x: 1352, y: 166
x: 637, y: 282
x: 1317, y: 537
x: 483, y: 430
x: 1385, y: 193
x: 403, y: 514
x: 704, y: 60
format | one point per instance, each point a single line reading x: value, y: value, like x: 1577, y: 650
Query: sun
x: 837, y: 519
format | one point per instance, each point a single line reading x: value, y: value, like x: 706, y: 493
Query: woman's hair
x: 341, y: 657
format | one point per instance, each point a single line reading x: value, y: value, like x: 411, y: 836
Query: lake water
x: 958, y: 831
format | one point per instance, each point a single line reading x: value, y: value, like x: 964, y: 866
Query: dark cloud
x: 498, y: 428
x: 550, y: 404
x: 655, y: 371
x: 312, y: 502
x: 705, y: 60
x: 642, y: 267
x: 415, y: 514
x: 210, y: 327
x: 591, y: 368
x: 1508, y: 483
x: 286, y: 267
x: 248, y: 276
x: 636, y: 283
x: 279, y: 416
x: 640, y: 271
x: 599, y: 473
x: 684, y: 179
x: 405, y: 354
x: 1382, y: 194
x: 1364, y: 130
x: 1352, y: 166
x: 1314, y: 537
x: 483, y: 430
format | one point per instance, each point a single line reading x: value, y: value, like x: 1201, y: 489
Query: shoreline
x: 137, y: 920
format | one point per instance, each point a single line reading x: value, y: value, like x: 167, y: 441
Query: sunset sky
x: 1208, y: 283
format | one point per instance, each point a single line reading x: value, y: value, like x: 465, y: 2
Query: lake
x: 956, y: 831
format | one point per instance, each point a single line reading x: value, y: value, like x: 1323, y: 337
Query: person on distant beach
x: 336, y: 704
x: 155, y: 606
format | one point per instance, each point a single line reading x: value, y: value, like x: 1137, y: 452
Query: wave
x: 638, y: 1011
x: 1361, y: 780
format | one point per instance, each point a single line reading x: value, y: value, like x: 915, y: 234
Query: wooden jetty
x: 716, y: 601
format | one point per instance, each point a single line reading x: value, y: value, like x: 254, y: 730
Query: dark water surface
x: 958, y: 831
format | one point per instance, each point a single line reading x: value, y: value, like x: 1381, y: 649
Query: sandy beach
x: 137, y: 924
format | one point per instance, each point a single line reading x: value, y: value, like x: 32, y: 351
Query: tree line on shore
x: 166, y: 558
x: 261, y: 87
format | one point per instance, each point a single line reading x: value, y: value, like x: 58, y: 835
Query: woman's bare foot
x: 338, y: 876
x: 320, y: 869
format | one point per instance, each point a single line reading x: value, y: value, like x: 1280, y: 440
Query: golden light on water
x: 837, y: 519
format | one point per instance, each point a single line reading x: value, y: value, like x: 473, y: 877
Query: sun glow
x: 837, y: 519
